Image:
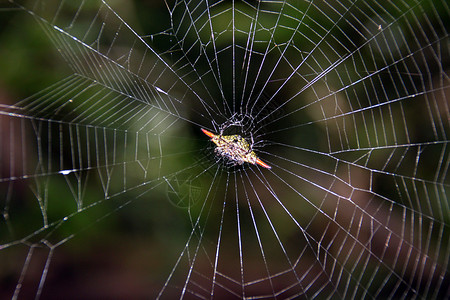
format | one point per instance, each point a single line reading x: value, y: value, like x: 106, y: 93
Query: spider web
x: 109, y: 188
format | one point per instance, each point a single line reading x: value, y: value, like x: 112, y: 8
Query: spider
x: 235, y: 148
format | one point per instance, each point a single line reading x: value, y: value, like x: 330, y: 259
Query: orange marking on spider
x: 235, y: 148
x: 210, y: 134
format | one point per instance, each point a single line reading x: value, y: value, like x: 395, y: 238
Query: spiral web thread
x: 347, y: 101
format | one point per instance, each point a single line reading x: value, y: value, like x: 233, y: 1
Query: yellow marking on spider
x: 235, y: 148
